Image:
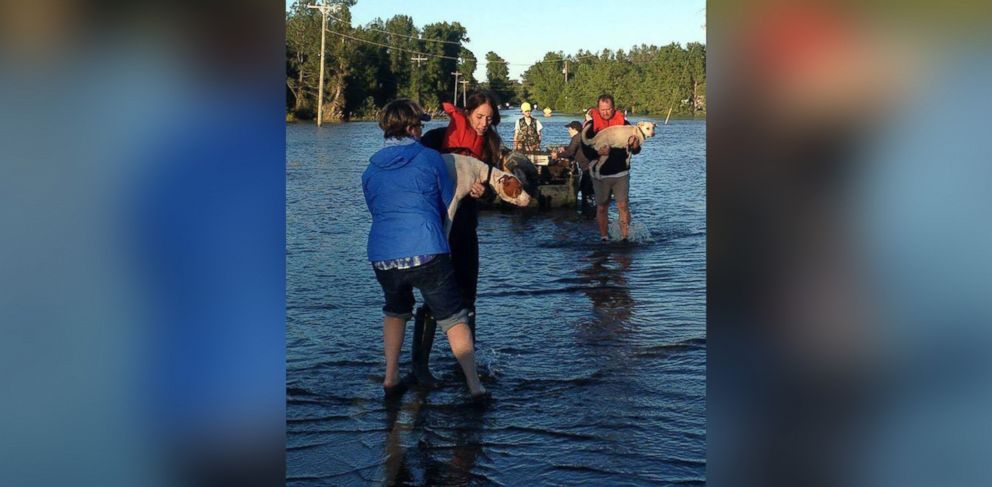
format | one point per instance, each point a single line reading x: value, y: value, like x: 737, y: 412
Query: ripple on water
x: 595, y: 352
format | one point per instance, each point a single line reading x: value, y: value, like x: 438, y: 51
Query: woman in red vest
x: 471, y: 131
x: 460, y: 137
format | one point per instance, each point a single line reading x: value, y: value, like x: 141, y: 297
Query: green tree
x: 498, y: 77
x: 366, y: 66
x: 302, y: 58
x: 403, y: 34
x: 341, y: 58
x: 544, y: 82
x: 438, y: 82
x: 371, y: 83
x: 645, y: 79
x: 467, y: 67
x: 697, y: 69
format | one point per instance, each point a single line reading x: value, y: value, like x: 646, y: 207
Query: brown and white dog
x: 520, y: 166
x: 465, y: 170
x: 616, y: 137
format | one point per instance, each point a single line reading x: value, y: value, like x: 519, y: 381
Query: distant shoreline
x: 291, y: 119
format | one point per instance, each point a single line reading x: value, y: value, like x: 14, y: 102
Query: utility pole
x: 324, y: 9
x: 464, y: 99
x: 454, y: 100
x: 566, y: 71
x: 418, y: 59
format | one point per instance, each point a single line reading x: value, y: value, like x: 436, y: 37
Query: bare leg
x: 624, y: 209
x: 392, y: 338
x: 602, y: 219
x: 460, y: 338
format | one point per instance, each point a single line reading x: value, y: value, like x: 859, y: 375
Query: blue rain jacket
x: 407, y: 190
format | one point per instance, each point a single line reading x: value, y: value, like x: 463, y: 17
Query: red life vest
x: 460, y: 137
x: 599, y: 123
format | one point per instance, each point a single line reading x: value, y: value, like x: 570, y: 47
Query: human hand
x: 633, y: 143
x: 589, y: 114
x: 477, y: 189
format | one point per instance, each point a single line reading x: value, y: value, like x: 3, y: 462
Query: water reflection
x: 427, y: 427
x: 396, y: 471
x: 608, y: 289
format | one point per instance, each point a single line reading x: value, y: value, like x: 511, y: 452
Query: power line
x: 418, y: 53
x: 575, y: 58
x: 387, y: 46
x: 439, y: 56
x: 403, y: 35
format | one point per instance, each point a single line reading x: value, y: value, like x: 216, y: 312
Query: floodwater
x: 594, y: 352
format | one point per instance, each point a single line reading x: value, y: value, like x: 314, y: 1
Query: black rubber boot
x: 471, y: 326
x: 424, y: 327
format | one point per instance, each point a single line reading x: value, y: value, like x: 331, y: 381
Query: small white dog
x: 465, y: 170
x: 616, y: 137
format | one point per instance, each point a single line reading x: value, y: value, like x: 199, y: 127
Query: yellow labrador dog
x: 465, y: 170
x: 616, y: 137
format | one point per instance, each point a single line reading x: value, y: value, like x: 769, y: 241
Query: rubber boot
x: 471, y: 326
x: 424, y: 327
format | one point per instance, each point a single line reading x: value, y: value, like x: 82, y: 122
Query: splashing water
x: 489, y: 361
x: 638, y: 232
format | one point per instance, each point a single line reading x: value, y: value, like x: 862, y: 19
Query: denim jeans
x: 436, y: 282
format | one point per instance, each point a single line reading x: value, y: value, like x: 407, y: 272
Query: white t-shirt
x: 520, y: 120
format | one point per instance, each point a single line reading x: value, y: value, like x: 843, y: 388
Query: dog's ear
x: 512, y: 186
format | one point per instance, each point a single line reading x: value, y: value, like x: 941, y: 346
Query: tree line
x: 367, y: 66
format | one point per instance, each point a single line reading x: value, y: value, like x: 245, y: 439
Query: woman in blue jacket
x: 407, y: 189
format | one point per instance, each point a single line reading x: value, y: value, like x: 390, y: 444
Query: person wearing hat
x: 574, y: 152
x: 527, y: 132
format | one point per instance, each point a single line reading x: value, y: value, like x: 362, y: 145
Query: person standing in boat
x: 527, y: 132
x: 614, y: 174
x: 574, y: 152
x: 471, y: 131
x: 407, y: 190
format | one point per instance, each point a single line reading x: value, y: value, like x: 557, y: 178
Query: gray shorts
x: 619, y: 186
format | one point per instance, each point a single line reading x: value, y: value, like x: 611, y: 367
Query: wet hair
x: 398, y: 116
x: 606, y: 97
x: 492, y: 142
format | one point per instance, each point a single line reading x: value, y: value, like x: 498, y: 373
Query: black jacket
x: 574, y: 151
x: 464, y: 240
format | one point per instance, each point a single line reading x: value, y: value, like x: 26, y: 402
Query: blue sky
x: 522, y: 31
